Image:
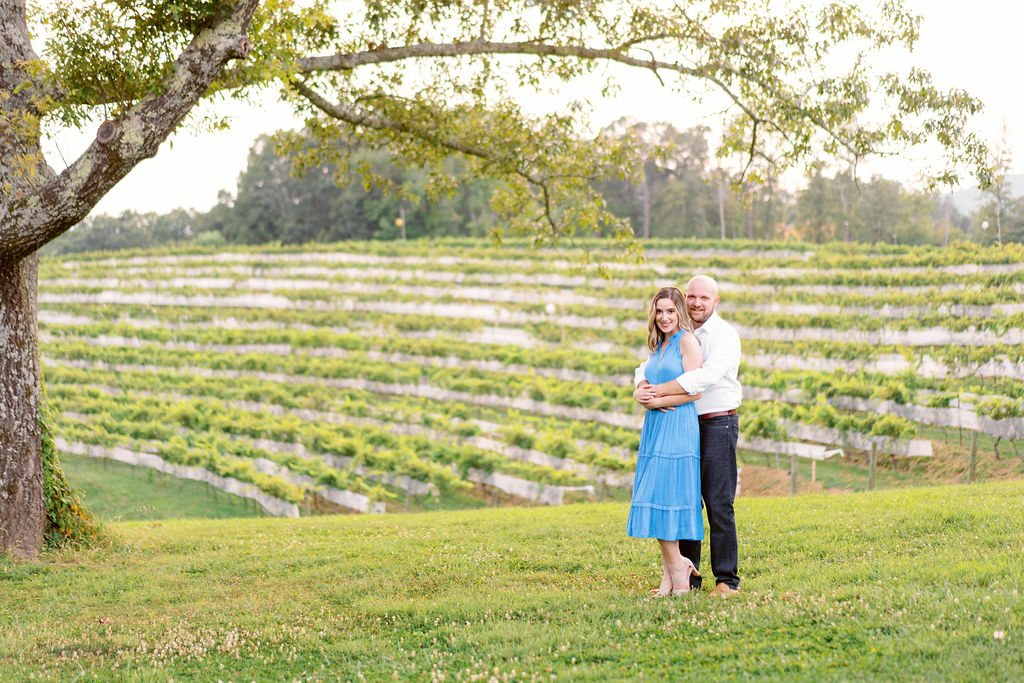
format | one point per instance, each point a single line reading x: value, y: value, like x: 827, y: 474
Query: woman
x: 666, y: 487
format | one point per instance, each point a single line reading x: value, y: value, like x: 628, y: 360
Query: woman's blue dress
x: 666, y: 487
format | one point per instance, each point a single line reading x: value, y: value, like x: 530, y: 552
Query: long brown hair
x: 654, y: 333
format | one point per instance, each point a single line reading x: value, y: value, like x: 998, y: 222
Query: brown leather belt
x: 720, y: 413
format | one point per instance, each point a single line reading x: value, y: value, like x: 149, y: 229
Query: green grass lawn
x: 910, y: 584
x: 114, y: 491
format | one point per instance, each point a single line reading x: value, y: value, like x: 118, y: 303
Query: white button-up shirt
x: 716, y: 379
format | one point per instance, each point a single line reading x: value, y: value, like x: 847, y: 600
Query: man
x: 719, y: 428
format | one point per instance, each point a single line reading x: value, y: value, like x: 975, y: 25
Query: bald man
x: 719, y: 428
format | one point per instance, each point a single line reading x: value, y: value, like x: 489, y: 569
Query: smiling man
x: 719, y: 427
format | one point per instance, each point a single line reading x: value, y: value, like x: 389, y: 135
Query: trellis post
x: 792, y: 474
x: 973, y: 458
x: 872, y: 464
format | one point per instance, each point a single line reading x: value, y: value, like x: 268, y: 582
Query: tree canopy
x: 677, y: 194
x: 430, y: 77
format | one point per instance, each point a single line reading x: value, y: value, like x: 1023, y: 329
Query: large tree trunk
x: 37, y: 205
x: 22, y: 513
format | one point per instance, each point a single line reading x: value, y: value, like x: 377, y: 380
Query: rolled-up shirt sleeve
x: 639, y: 374
x: 723, y: 359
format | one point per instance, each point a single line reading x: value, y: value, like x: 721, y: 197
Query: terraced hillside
x: 373, y: 377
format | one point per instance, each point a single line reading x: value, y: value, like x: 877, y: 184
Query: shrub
x: 68, y: 522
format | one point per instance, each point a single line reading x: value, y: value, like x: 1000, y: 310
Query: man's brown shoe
x: 723, y: 590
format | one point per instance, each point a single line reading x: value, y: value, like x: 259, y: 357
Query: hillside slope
x: 911, y: 584
x: 386, y: 377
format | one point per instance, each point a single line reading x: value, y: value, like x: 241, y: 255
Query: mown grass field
x: 115, y: 492
x: 906, y: 583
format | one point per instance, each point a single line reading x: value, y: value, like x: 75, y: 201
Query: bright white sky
x: 972, y: 45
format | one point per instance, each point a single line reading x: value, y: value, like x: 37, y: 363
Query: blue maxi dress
x: 666, y: 487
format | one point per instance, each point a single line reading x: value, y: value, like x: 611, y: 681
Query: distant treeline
x: 681, y: 193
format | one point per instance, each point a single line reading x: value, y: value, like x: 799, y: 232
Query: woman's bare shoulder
x: 689, y: 342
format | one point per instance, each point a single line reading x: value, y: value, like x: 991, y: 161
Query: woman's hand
x: 644, y: 394
x: 667, y: 403
x: 662, y: 403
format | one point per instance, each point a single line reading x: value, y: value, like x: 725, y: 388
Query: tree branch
x: 381, y: 123
x: 353, y: 60
x: 378, y: 122
x: 30, y: 221
x: 344, y: 62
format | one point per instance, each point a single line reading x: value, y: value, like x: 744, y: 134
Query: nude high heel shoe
x: 688, y: 570
x: 665, y: 589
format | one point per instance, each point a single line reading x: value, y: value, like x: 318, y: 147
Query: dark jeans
x: 718, y: 489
